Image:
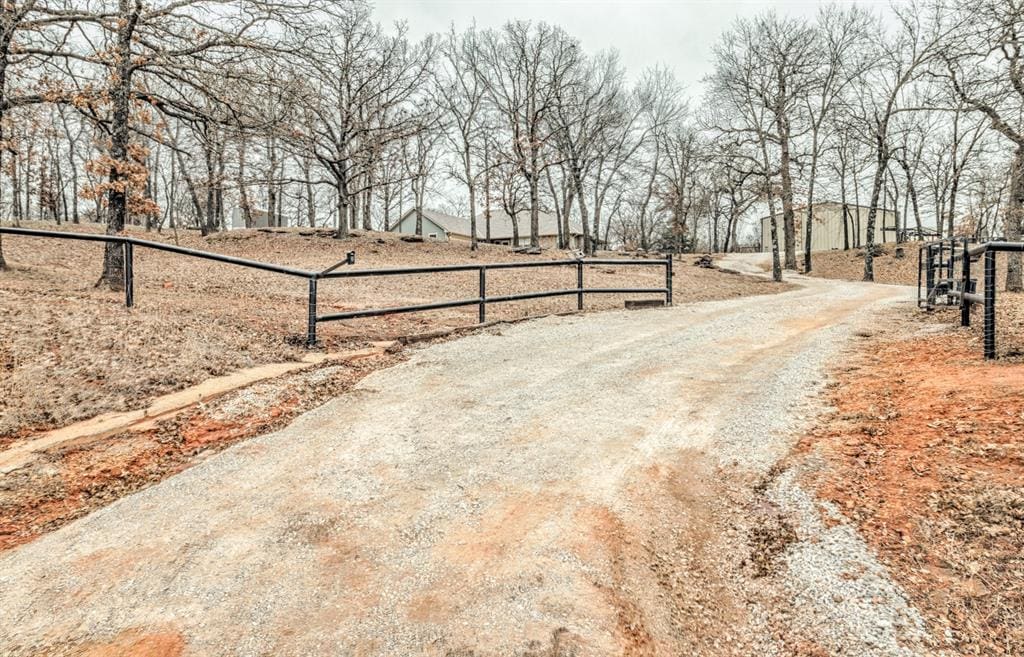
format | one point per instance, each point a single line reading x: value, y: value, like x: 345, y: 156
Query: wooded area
x: 169, y: 114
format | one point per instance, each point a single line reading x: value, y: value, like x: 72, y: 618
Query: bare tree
x: 900, y: 62
x: 361, y: 88
x: 841, y: 53
x: 588, y: 108
x: 525, y: 67
x: 420, y: 157
x: 985, y: 66
x: 461, y: 92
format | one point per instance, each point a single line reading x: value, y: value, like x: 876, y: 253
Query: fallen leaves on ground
x: 925, y: 451
x: 70, y: 351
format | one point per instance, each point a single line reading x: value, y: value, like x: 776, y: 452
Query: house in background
x: 445, y: 227
x: 260, y: 219
x: 827, y: 234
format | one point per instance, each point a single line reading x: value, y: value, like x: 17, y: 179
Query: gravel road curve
x: 584, y: 485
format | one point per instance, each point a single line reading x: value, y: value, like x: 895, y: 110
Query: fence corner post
x: 579, y: 284
x: 311, y: 317
x: 965, y: 288
x: 929, y: 281
x: 483, y: 293
x: 990, y: 304
x: 668, y: 280
x: 921, y: 261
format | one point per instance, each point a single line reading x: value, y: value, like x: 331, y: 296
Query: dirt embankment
x: 69, y: 351
x: 60, y: 482
x: 896, y: 264
x: 925, y: 452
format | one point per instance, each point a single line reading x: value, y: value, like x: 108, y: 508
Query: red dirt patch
x: 149, y: 645
x: 69, y: 480
x: 925, y: 451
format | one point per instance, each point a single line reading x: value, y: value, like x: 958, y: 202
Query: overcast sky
x: 678, y: 33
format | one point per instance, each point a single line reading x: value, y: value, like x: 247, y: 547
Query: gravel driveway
x: 585, y: 485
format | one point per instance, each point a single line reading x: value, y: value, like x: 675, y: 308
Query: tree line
x: 174, y: 114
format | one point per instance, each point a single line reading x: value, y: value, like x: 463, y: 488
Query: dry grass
x: 924, y: 452
x: 70, y: 351
x: 849, y: 265
x: 889, y: 267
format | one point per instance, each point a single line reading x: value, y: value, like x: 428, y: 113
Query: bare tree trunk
x: 876, y: 190
x: 953, y: 187
x: 243, y: 187
x: 341, y: 230
x: 555, y: 202
x: 856, y: 216
x: 1015, y: 221
x: 281, y: 221
x: 368, y: 204
x: 589, y: 245
x: 487, y: 190
x: 810, y: 204
x: 534, y: 210
x: 386, y: 195
x: 16, y: 188
x: 417, y: 196
x: 117, y: 196
x: 3, y: 262
x: 190, y: 185
x: 311, y: 206
x: 219, y: 193
x: 648, y: 194
x: 845, y: 208
x: 74, y: 169
x: 788, y: 218
x: 912, y: 193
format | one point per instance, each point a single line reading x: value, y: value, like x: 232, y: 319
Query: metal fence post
x: 579, y: 284
x: 990, y: 304
x: 929, y: 281
x: 668, y: 281
x: 920, y: 260
x: 129, y: 273
x: 483, y: 294
x: 311, y: 317
x: 965, y: 289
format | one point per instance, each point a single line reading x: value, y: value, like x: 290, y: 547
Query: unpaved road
x: 587, y: 485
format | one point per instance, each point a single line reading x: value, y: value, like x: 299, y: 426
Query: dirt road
x: 589, y: 485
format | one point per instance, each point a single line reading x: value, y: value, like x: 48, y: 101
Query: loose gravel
x: 572, y: 485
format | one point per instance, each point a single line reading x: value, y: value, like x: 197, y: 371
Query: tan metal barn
x: 445, y: 227
x: 827, y: 234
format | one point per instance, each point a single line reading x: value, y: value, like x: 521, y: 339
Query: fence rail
x: 936, y: 270
x: 313, y: 278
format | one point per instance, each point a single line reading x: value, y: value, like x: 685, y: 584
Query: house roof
x: 501, y: 224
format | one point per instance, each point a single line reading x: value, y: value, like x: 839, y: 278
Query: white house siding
x: 430, y: 229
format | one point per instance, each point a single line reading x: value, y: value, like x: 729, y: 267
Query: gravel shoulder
x: 584, y: 485
x: 923, y: 453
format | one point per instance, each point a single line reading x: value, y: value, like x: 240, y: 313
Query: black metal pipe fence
x: 313, y: 277
x: 936, y: 264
